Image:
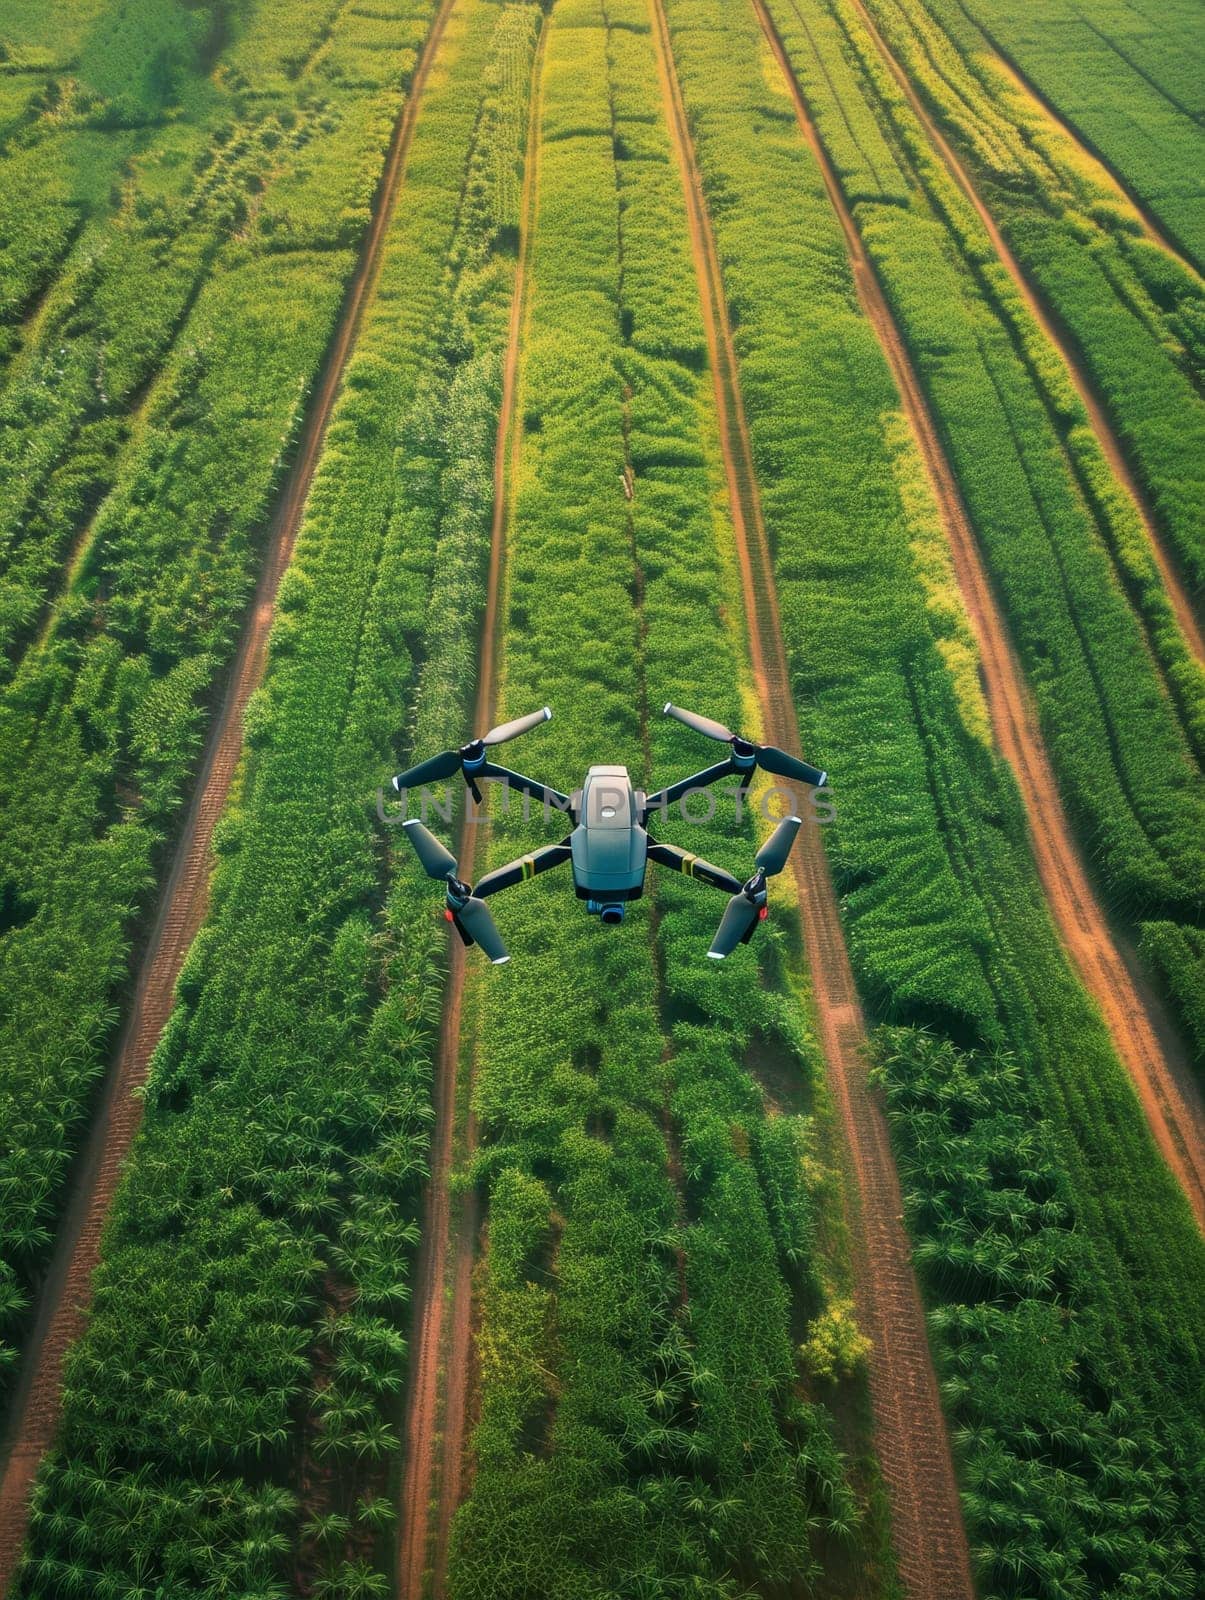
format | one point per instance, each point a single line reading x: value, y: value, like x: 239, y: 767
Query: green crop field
x: 1127, y: 76
x: 373, y: 372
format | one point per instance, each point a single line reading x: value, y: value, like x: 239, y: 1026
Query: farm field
x: 1126, y: 76
x: 375, y: 371
x: 151, y: 558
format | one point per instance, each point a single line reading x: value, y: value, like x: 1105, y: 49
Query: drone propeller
x: 511, y: 730
x: 430, y: 771
x: 772, y: 857
x: 469, y: 757
x: 471, y: 916
x: 741, y: 916
x: 703, y: 725
x: 437, y: 860
x: 745, y: 910
x: 746, y: 753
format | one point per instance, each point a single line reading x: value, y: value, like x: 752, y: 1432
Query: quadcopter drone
x: 610, y: 845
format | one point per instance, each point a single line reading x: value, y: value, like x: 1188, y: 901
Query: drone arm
x: 553, y: 799
x: 668, y: 855
x: 552, y: 855
x: 697, y: 780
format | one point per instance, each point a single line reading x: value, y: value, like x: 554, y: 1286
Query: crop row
x: 236, y: 1392
x: 1130, y: 84
x: 125, y: 104
x: 252, y: 169
x: 945, y: 921
x: 79, y: 92
x: 101, y: 723
x: 1176, y: 954
x: 1041, y: 514
x: 1088, y: 1502
x: 1135, y: 314
x: 649, y: 1223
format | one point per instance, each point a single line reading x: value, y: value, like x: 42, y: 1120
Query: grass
x: 165, y: 500
x: 952, y: 946
x: 270, y: 1210
x: 651, y: 1224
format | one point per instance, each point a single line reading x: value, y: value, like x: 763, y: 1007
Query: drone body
x: 610, y: 845
x: 609, y: 848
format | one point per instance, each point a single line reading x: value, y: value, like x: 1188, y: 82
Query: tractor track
x: 1108, y: 441
x: 66, y: 1292
x: 910, y: 1429
x: 441, y: 1335
x: 1161, y: 1078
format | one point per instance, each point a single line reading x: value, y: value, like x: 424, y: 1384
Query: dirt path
x: 66, y: 1294
x: 1164, y: 1083
x: 910, y: 1430
x: 1099, y: 422
x: 434, y: 1310
x: 441, y: 1331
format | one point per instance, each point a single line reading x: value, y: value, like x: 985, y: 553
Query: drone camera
x: 608, y: 911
